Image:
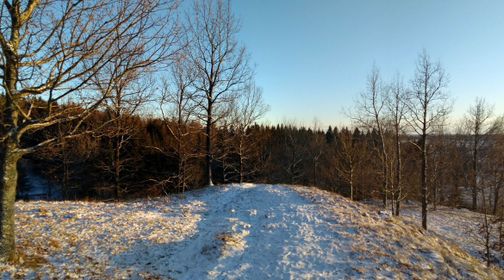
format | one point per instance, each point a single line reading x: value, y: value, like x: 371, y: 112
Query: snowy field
x: 232, y: 232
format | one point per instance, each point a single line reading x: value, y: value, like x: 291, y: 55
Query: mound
x: 232, y: 232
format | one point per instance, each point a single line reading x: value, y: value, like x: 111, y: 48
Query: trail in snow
x: 256, y: 232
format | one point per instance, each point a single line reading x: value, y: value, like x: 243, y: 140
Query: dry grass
x: 400, y: 245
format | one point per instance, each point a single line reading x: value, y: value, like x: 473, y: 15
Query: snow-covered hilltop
x: 232, y: 232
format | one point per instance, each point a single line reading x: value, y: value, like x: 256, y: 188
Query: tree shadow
x: 241, y: 239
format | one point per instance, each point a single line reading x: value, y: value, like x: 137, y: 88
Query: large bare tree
x: 220, y: 62
x: 51, y: 50
x: 428, y: 106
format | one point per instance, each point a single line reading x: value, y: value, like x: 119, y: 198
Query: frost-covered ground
x: 460, y: 226
x: 231, y: 232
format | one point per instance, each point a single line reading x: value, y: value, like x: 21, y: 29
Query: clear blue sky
x: 312, y: 57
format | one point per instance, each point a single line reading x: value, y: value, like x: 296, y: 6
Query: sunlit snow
x: 231, y: 232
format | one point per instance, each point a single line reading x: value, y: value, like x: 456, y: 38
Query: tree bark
x: 475, y: 169
x: 209, y: 157
x: 9, y: 153
x: 385, y: 171
x: 9, y: 156
x: 398, y: 207
x: 117, y: 166
x: 240, y: 154
x: 351, y: 184
x: 434, y: 183
x: 496, y: 200
x: 424, y: 181
x: 398, y: 193
x: 180, y: 163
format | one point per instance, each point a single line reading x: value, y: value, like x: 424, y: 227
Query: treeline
x: 153, y: 161
x: 344, y: 160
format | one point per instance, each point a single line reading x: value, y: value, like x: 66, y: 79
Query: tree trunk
x: 209, y: 157
x: 181, y: 153
x: 65, y: 162
x: 181, y: 180
x: 351, y: 184
x: 117, y: 166
x: 486, y: 229
x: 398, y: 172
x: 9, y: 156
x: 385, y: 179
x: 474, y: 197
x: 181, y: 166
x: 442, y: 198
x: 424, y: 187
x: 240, y: 154
x: 475, y: 171
x: 496, y: 200
x: 434, y: 196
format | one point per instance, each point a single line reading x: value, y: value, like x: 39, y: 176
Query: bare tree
x: 495, y: 165
x: 249, y: 108
x: 220, y: 63
x: 438, y: 149
x: 395, y: 103
x: 371, y: 115
x: 428, y: 106
x: 478, y: 124
x: 349, y: 156
x: 120, y: 129
x: 178, y: 107
x: 490, y: 180
x: 127, y: 83
x: 52, y: 50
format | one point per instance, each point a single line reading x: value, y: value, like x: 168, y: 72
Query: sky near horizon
x: 312, y: 57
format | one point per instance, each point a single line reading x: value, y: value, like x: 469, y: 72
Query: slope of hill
x: 232, y: 232
x: 458, y: 225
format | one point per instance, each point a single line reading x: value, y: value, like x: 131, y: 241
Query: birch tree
x: 428, y: 106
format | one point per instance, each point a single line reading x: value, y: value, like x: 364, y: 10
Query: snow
x: 458, y: 225
x: 231, y: 232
